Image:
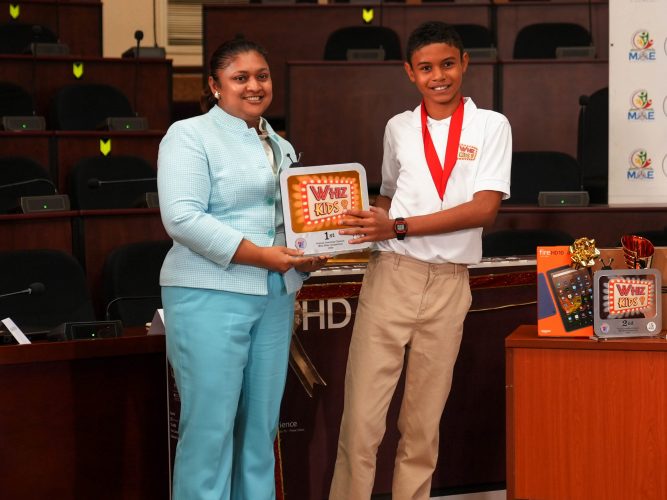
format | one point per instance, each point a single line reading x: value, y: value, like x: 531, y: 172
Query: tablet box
x: 565, y: 305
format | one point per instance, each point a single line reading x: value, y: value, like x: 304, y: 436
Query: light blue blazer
x: 216, y: 188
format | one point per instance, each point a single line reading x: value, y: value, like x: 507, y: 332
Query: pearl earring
x: 216, y: 95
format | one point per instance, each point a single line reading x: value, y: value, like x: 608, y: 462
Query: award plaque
x: 627, y: 303
x: 314, y: 199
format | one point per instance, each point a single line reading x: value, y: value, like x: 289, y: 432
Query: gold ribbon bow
x: 583, y: 253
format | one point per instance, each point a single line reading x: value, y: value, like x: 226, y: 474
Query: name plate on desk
x: 314, y: 199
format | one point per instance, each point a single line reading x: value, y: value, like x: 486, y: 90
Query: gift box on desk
x: 564, y: 295
x: 616, y: 259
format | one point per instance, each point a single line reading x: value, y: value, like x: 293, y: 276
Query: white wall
x: 120, y: 19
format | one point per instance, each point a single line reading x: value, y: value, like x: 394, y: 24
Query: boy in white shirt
x: 428, y: 224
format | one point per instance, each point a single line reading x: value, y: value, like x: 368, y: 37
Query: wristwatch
x: 400, y: 228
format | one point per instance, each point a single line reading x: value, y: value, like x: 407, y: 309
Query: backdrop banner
x: 637, y: 102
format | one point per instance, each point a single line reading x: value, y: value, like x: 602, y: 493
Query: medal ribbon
x: 440, y: 174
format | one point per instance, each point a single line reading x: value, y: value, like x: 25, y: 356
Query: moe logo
x: 642, y: 47
x: 641, y: 106
x: 640, y: 166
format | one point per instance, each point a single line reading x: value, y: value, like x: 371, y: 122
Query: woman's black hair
x: 223, y: 57
x: 432, y: 32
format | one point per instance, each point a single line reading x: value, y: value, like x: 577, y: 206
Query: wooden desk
x: 77, y: 23
x: 100, y: 231
x: 299, y: 32
x: 513, y: 16
x: 71, y: 147
x: 605, y: 224
x: 84, y: 419
x: 540, y: 98
x: 33, y: 145
x: 36, y: 231
x: 146, y: 82
x: 342, y: 118
x: 585, y: 418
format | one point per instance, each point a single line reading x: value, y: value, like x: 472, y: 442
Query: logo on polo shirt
x: 641, y: 106
x: 466, y: 152
x: 642, y: 47
x: 640, y: 166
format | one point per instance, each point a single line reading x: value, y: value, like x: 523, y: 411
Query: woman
x: 229, y: 281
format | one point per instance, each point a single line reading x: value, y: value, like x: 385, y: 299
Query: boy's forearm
x: 480, y: 211
x: 383, y: 202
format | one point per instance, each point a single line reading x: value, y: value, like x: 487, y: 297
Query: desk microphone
x: 36, y: 288
x: 107, y: 312
x: 30, y: 181
x: 95, y: 183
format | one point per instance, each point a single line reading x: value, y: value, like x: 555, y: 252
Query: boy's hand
x: 371, y: 225
x: 310, y: 264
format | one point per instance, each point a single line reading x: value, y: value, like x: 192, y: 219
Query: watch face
x: 401, y: 227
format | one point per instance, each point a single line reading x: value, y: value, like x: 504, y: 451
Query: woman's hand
x: 371, y: 225
x: 281, y: 259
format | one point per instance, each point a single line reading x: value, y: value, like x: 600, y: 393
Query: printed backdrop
x: 637, y: 102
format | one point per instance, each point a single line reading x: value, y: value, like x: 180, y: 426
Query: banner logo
x: 641, y: 106
x: 642, y: 47
x: 640, y: 166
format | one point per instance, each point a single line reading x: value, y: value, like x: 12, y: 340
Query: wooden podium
x: 586, y: 419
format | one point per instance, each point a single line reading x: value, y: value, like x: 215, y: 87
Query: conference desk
x: 84, y: 420
x: 511, y: 17
x: 299, y: 32
x: 145, y: 82
x: 540, y: 98
x: 604, y: 223
x: 585, y: 418
x: 342, y: 118
x: 35, y: 231
x: 35, y: 145
x: 78, y: 24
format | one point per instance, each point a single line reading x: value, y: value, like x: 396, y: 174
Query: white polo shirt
x: 483, y: 164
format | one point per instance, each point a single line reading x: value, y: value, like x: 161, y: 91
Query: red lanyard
x: 440, y: 174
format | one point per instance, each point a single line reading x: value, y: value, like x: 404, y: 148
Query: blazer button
x: 270, y: 233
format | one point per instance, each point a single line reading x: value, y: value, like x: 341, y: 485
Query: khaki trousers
x: 413, y: 312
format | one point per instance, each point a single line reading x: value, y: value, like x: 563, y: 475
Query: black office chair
x: 65, y: 297
x: 15, y: 38
x: 362, y: 37
x: 593, y: 144
x: 111, y: 182
x: 539, y: 41
x: 87, y: 106
x: 21, y: 176
x: 475, y: 36
x: 14, y: 100
x: 535, y: 171
x: 522, y: 241
x: 132, y: 281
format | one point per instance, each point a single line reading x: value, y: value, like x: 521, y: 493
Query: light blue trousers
x: 229, y: 354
